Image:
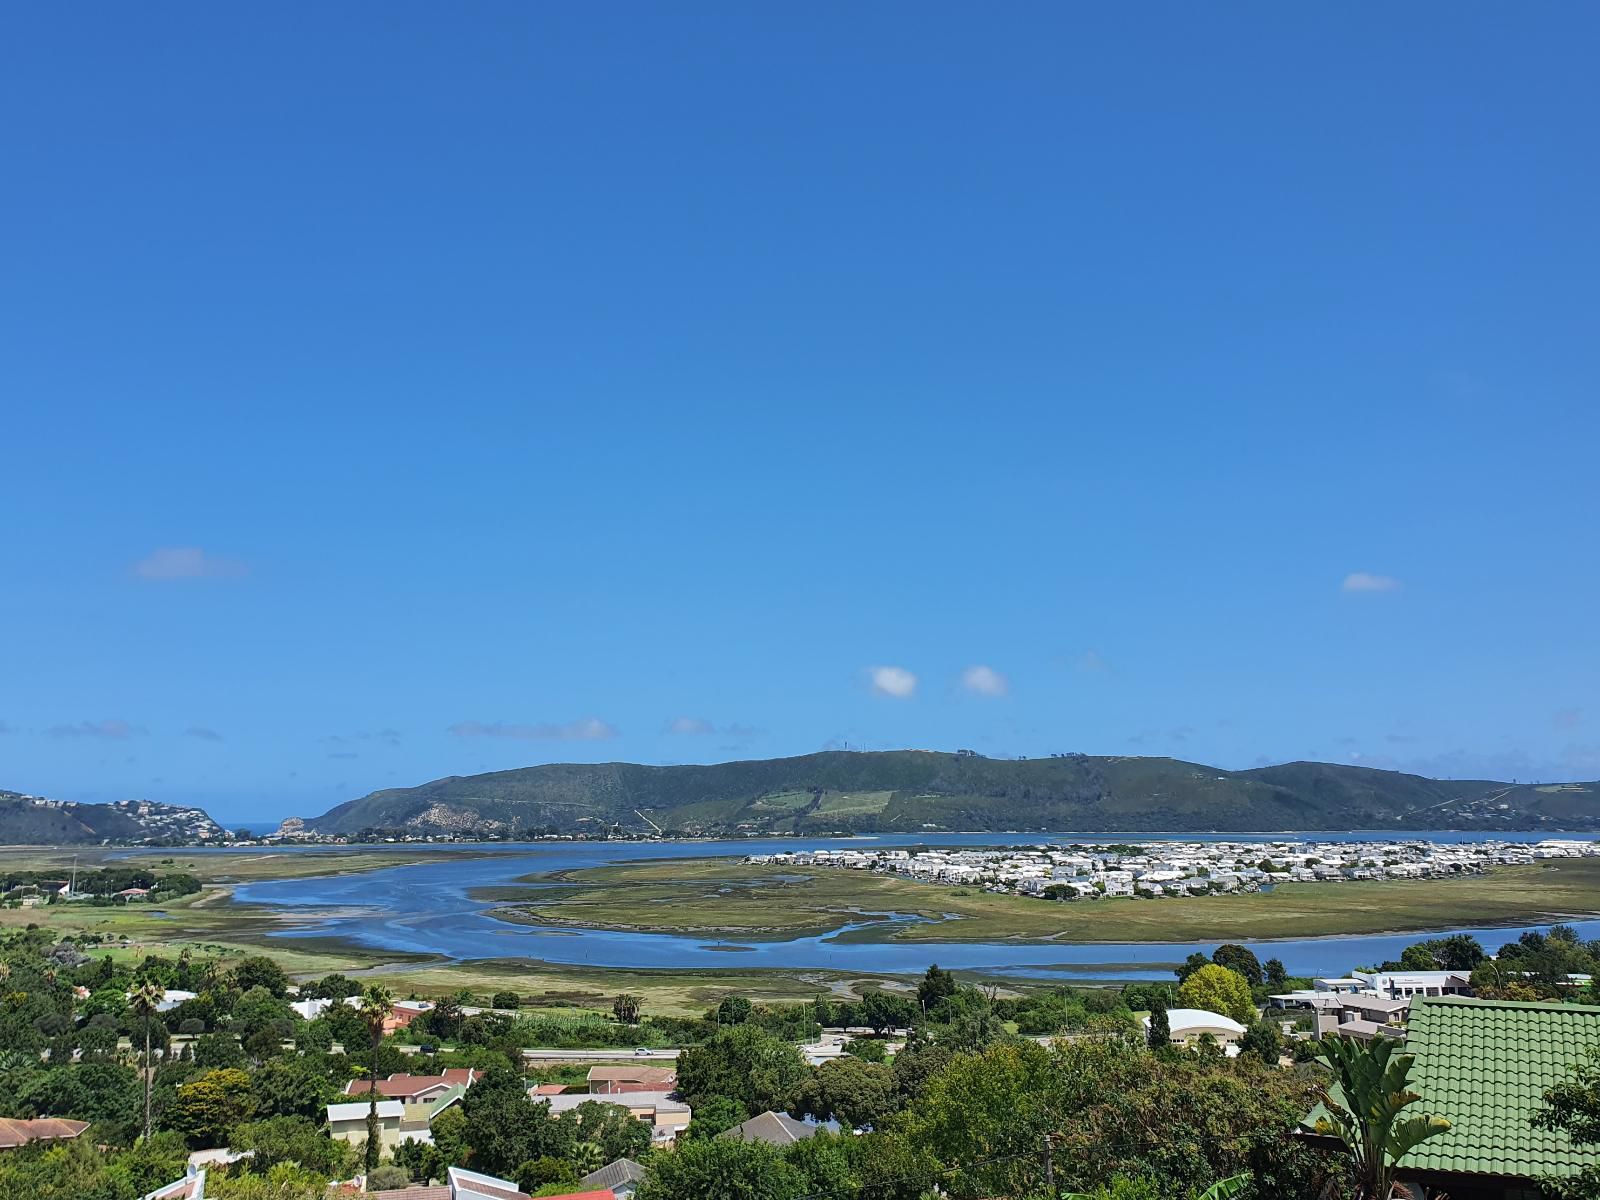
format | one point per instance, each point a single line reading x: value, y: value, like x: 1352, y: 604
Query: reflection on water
x: 429, y: 908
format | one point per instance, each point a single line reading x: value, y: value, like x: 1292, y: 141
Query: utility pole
x: 1049, y: 1169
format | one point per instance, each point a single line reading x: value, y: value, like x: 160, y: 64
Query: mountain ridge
x: 27, y: 820
x: 935, y: 791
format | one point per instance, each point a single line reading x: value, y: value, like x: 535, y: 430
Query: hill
x: 917, y: 790
x: 35, y: 821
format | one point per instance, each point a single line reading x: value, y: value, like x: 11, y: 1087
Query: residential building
x: 191, y: 1187
x: 14, y: 1133
x: 1189, y: 1025
x: 773, y: 1128
x: 620, y: 1178
x: 415, y: 1089
x: 1416, y: 983
x: 348, y: 1122
x: 1484, y: 1066
x: 613, y: 1080
x: 666, y: 1116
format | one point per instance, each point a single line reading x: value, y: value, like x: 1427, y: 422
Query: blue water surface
x: 428, y: 908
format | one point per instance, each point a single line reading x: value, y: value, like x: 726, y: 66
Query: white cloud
x: 204, y: 734
x: 111, y: 728
x: 1363, y: 581
x: 186, y: 562
x: 985, y: 681
x: 585, y: 729
x: 690, y: 726
x: 892, y: 681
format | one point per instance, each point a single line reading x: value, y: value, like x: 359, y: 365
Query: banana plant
x: 1366, y: 1113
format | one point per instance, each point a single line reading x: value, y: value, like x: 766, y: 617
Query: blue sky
x: 392, y: 392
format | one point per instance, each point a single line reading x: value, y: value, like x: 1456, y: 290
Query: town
x: 1152, y: 870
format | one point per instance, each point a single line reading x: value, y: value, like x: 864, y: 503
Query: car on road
x: 641, y: 1051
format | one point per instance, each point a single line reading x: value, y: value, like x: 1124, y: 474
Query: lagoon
x: 429, y: 908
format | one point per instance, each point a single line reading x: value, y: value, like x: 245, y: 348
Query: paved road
x: 653, y: 1056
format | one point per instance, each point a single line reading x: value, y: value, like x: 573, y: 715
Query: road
x: 654, y: 1056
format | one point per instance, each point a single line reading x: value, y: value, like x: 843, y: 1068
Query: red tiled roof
x: 402, y: 1085
x: 412, y: 1193
x: 549, y: 1089
x: 45, y: 1129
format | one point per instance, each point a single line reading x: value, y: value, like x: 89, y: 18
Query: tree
x: 1190, y: 965
x: 716, y: 1115
x: 291, y: 1140
x: 206, y: 1109
x: 1218, y: 990
x: 728, y: 1167
x: 1366, y: 1116
x: 1263, y: 1040
x: 936, y: 984
x: 611, y: 1130
x: 503, y: 1128
x: 257, y: 1009
x: 1572, y: 1107
x: 1276, y: 974
x: 260, y: 971
x: 376, y: 1005
x: 507, y: 1000
x: 744, y: 1062
x: 1240, y: 959
x: 851, y: 1091
x: 627, y: 1007
x: 884, y: 1011
x: 734, y: 1010
x: 1159, y: 1035
x: 144, y: 1002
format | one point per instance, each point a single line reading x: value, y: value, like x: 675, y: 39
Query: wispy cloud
x: 892, y: 681
x: 110, y: 729
x: 690, y: 726
x: 204, y: 734
x: 187, y: 562
x: 1365, y: 581
x: 389, y: 737
x: 585, y: 729
x: 984, y: 681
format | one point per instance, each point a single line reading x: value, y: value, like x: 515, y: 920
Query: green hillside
x: 918, y: 790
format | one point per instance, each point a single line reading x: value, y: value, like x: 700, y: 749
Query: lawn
x: 719, y: 896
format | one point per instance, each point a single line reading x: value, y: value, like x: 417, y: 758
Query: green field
x: 719, y: 897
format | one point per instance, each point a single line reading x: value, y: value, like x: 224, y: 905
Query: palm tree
x: 1365, y: 1113
x: 145, y: 1000
x: 376, y: 1005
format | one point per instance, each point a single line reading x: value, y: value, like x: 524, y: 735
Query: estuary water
x: 428, y: 908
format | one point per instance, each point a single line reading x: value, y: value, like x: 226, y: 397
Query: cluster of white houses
x: 1180, y: 868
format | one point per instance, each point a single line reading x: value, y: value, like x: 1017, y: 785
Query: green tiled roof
x: 1484, y: 1065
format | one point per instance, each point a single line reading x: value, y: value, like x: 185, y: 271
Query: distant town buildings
x: 1181, y: 868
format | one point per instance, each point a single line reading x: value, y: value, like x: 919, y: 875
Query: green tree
x: 1239, y: 959
x: 1263, y: 1040
x: 734, y: 1010
x: 714, y: 1116
x: 1218, y: 990
x: 613, y: 1131
x: 503, y: 1128
x: 722, y: 1167
x: 1277, y: 976
x: 291, y: 1140
x: 376, y: 1005
x: 746, y: 1063
x: 1572, y: 1107
x: 260, y: 971
x: 936, y: 984
x: 1366, y: 1114
x: 851, y: 1091
x: 207, y: 1108
x: 144, y: 1002
x: 627, y: 1007
x: 1159, y: 1035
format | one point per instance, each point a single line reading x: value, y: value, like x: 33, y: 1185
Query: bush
x: 506, y: 1000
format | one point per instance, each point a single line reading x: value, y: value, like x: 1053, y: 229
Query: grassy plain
x: 729, y: 898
